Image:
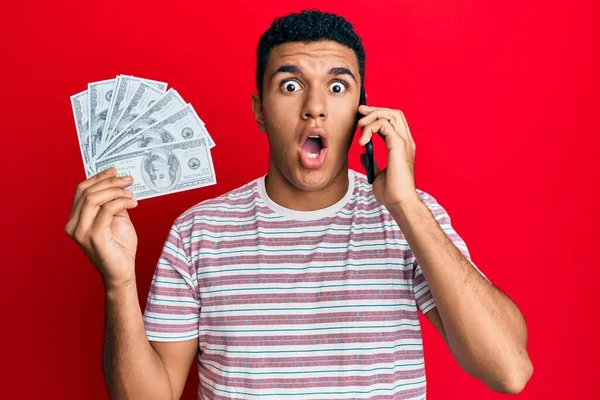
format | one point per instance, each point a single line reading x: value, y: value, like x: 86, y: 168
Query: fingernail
x: 109, y: 171
x: 126, y: 178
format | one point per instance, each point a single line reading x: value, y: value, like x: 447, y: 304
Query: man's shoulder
x: 242, y: 195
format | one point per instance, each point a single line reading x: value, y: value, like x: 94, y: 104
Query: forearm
x: 132, y: 368
x: 484, y: 329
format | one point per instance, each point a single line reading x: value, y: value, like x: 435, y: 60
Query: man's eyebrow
x: 292, y: 69
x: 342, y: 71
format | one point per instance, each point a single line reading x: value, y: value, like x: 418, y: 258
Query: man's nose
x: 315, y: 106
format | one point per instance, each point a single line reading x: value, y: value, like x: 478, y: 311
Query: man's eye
x: 337, y: 87
x: 290, y: 86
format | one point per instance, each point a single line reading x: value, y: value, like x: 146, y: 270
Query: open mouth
x: 312, y: 146
x: 313, y: 151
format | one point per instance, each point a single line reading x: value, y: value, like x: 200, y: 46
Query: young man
x: 304, y: 283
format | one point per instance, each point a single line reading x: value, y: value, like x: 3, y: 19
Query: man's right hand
x: 100, y: 225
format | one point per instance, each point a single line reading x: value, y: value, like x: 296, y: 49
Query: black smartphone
x: 369, y: 164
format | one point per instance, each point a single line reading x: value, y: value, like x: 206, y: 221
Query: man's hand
x: 100, y: 225
x: 395, y: 185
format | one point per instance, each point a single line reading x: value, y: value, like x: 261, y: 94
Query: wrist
x: 408, y: 211
x: 115, y: 288
x: 406, y: 206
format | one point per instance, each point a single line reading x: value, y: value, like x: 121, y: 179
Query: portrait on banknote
x: 161, y: 170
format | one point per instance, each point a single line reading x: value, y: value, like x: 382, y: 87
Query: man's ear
x: 257, y: 110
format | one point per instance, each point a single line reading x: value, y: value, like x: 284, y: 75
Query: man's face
x: 315, y: 85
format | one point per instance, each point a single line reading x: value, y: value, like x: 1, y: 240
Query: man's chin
x: 309, y: 179
x: 313, y: 179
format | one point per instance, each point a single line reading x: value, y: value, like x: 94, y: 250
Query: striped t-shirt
x: 295, y: 304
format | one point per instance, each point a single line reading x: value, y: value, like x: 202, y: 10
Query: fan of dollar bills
x: 146, y: 131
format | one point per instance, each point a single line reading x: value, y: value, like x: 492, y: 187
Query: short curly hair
x: 307, y: 26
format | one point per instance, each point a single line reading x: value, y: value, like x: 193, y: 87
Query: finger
x: 91, y: 206
x: 396, y: 118
x: 367, y: 132
x: 407, y: 129
x: 364, y: 109
x: 82, y: 187
x: 380, y: 114
x: 110, y: 209
x: 121, y: 182
x: 385, y: 130
x: 92, y: 181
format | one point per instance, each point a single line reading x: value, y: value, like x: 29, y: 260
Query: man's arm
x: 483, y: 328
x: 135, y: 368
x: 100, y: 225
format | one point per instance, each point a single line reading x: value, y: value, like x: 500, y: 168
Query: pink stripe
x: 179, y: 292
x: 321, y: 318
x: 167, y: 272
x: 322, y: 382
x: 291, y: 361
x: 162, y: 328
x: 246, y: 199
x: 174, y: 309
x: 254, y: 208
x: 251, y: 226
x: 176, y: 262
x: 311, y: 340
x: 304, y: 298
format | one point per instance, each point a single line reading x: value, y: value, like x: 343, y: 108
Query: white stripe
x: 318, y: 350
x: 296, y: 308
x: 331, y: 328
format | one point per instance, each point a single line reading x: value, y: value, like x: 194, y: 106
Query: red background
x: 501, y: 99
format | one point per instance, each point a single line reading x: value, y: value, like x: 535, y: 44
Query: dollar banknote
x: 183, y: 125
x: 145, y: 95
x: 144, y: 130
x: 125, y: 88
x: 80, y: 104
x: 162, y: 108
x: 100, y: 95
x: 169, y: 168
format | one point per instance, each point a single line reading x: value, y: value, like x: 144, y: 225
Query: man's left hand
x: 395, y: 185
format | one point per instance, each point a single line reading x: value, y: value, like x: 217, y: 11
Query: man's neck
x: 282, y: 192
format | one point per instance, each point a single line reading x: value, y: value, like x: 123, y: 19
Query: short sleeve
x: 423, y: 296
x: 173, y: 306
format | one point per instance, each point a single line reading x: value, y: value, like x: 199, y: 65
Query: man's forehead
x: 318, y: 56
